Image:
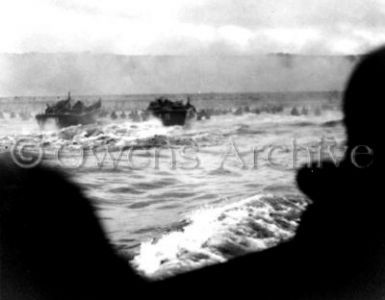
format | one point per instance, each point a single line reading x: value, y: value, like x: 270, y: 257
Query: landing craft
x: 65, y: 114
x: 172, y: 112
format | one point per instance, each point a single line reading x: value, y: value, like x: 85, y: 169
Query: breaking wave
x: 142, y: 135
x: 213, y: 235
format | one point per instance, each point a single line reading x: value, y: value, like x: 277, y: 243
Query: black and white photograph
x: 182, y: 149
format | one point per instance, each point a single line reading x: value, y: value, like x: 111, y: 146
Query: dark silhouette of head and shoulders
x: 52, y: 245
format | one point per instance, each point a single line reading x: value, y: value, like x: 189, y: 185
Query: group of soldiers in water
x: 296, y: 111
x: 203, y: 114
x: 138, y: 115
x: 133, y: 115
x: 160, y: 104
x: 23, y: 115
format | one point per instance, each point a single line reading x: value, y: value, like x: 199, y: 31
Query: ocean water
x: 177, y: 198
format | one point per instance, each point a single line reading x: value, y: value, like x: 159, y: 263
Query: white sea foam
x: 216, y: 234
x: 126, y: 133
x: 210, y: 234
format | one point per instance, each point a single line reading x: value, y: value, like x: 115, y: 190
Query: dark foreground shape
x: 339, y: 249
x: 172, y: 113
x: 51, y: 243
x: 52, y: 246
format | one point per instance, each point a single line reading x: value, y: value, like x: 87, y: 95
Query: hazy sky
x: 192, y: 26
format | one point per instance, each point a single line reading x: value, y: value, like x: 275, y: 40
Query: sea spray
x: 216, y: 234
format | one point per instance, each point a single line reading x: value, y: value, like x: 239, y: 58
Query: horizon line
x: 184, y: 55
x: 172, y: 94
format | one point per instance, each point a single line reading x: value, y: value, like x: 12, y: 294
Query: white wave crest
x: 216, y: 234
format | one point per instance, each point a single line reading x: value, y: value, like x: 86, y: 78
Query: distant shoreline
x: 289, y: 95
